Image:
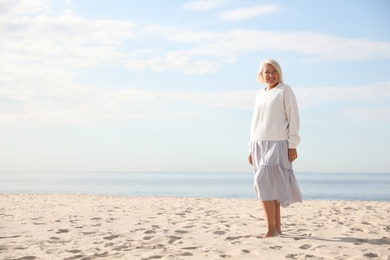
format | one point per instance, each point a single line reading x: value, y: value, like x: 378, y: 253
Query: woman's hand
x: 292, y: 154
x: 250, y: 159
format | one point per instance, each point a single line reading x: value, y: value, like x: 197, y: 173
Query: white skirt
x: 274, y: 178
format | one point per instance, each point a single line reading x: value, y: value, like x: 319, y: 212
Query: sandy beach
x: 114, y: 227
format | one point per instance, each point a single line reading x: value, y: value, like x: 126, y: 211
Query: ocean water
x: 314, y: 186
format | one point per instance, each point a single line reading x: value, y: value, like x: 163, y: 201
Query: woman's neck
x: 269, y: 87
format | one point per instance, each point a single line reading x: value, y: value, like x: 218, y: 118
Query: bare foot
x: 271, y: 233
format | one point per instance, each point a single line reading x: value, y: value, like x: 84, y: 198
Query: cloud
x: 361, y: 103
x: 203, y: 5
x: 69, y: 42
x: 249, y: 12
x: 85, y: 105
x: 313, y: 47
x: 173, y: 62
x: 43, y: 56
x: 368, y: 114
x: 66, y: 40
x: 14, y: 8
x: 378, y: 93
x: 228, y: 46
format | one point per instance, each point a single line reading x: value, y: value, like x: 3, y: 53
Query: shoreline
x: 329, y: 186
x: 54, y: 226
x: 175, y: 196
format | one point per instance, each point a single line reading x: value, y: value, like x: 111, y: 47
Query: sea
x: 314, y: 186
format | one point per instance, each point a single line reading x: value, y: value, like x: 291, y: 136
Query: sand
x: 114, y: 227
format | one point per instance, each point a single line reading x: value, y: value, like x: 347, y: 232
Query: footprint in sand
x: 74, y: 251
x: 186, y: 254
x: 181, y: 231
x: 225, y: 256
x: 30, y: 257
x: 190, y: 226
x: 60, y: 231
x: 235, y: 238
x: 109, y: 244
x: 220, y: 232
x: 292, y: 256
x: 123, y: 247
x: 305, y: 246
x: 110, y: 220
x: 173, y: 239
x: 39, y: 223
x: 152, y: 257
x: 371, y: 255
x: 189, y: 248
x: 111, y: 237
x: 17, y: 247
x: 147, y: 237
x: 104, y: 254
x: 158, y: 246
x: 89, y: 233
x: 10, y: 237
x: 74, y: 257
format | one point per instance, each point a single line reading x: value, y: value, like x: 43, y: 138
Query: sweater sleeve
x: 253, y: 121
x: 292, y: 114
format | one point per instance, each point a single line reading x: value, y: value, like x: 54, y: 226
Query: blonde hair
x: 272, y: 62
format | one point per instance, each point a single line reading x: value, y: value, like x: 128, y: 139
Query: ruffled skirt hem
x: 272, y: 182
x: 274, y: 178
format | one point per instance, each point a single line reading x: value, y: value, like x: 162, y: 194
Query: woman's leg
x: 270, y: 210
x: 278, y: 223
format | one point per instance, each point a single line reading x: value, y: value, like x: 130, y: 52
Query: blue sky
x: 94, y: 85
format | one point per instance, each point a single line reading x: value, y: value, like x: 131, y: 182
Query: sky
x: 126, y: 85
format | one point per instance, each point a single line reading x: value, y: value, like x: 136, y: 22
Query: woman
x: 274, y: 138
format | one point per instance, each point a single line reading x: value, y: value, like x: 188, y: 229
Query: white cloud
x: 380, y: 93
x: 14, y: 8
x: 203, y: 5
x: 71, y: 42
x: 173, y: 61
x: 248, y: 12
x: 42, y: 56
x: 228, y: 46
x: 312, y: 46
x: 350, y: 100
x: 83, y: 105
x: 368, y: 114
x: 66, y: 40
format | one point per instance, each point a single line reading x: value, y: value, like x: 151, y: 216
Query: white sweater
x: 276, y: 116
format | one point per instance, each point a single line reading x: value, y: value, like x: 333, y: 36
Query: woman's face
x: 270, y: 75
